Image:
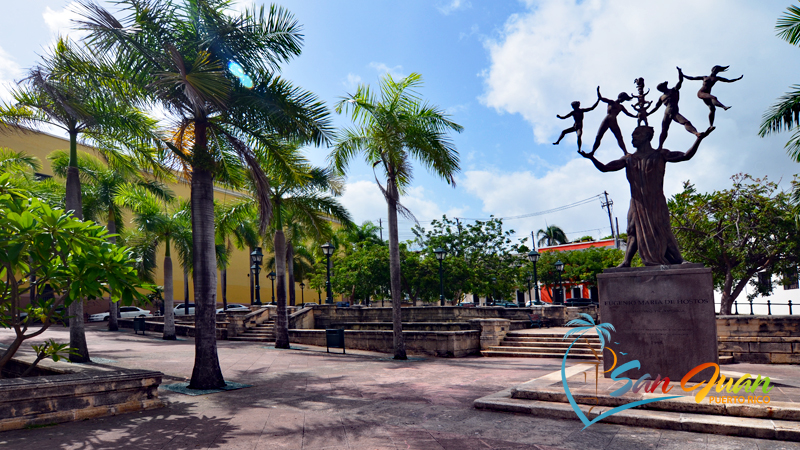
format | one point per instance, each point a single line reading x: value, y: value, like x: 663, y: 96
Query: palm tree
x: 234, y: 226
x: 101, y: 186
x: 191, y: 58
x: 55, y: 93
x: 552, y: 235
x: 394, y: 127
x: 301, y: 203
x: 785, y: 114
x: 158, y: 225
x: 365, y: 234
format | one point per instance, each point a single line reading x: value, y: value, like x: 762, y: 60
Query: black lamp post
x: 559, y: 269
x: 533, y: 256
x: 272, y: 278
x: 440, y: 254
x: 302, y: 299
x: 494, y: 283
x: 327, y: 249
x: 256, y: 258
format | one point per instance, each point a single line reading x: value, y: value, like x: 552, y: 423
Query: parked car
x: 180, y: 309
x: 307, y: 304
x: 507, y: 304
x: 579, y: 302
x: 234, y: 307
x: 467, y: 305
x: 125, y: 312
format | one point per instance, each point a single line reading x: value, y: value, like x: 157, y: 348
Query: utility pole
x: 380, y: 226
x: 607, y: 205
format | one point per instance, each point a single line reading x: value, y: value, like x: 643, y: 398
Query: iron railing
x: 768, y: 303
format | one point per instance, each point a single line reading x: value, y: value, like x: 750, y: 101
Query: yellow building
x: 41, y: 144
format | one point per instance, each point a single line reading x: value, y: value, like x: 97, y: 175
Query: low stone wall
x: 434, y: 343
x: 87, y: 393
x: 410, y: 326
x: 329, y: 316
x: 180, y: 330
x: 760, y: 339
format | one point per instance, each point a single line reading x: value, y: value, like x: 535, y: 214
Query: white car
x: 180, y: 309
x: 125, y: 312
x: 234, y: 307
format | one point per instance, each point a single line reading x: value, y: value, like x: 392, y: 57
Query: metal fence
x: 768, y: 303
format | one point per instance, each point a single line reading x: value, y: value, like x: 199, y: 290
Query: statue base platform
x: 664, y: 317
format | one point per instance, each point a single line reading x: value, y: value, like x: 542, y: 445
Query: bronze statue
x: 577, y: 115
x: 649, y: 230
x: 705, y: 91
x: 670, y: 100
x: 641, y: 105
x: 610, y: 121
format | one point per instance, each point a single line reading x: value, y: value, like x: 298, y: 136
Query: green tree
x: 213, y: 70
x: 785, y: 114
x: 55, y: 93
x: 394, y: 127
x: 552, y: 235
x: 159, y: 224
x: 234, y: 227
x: 72, y: 256
x: 737, y: 232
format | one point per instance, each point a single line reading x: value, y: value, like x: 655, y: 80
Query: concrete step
x: 251, y: 339
x: 558, y: 336
x: 699, y: 423
x: 549, y: 339
x: 561, y: 345
x: 534, y: 354
x: 560, y: 351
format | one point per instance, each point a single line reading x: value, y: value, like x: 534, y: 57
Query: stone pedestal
x: 492, y: 330
x: 664, y: 317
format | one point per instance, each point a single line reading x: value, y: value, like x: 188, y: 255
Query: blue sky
x: 503, y: 70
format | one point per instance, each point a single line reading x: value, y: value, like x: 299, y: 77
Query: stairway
x: 544, y: 345
x: 263, y: 332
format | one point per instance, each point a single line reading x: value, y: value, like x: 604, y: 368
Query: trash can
x: 139, y: 325
x: 335, y: 339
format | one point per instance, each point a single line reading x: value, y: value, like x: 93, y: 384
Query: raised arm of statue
x: 671, y: 156
x: 688, y: 77
x: 567, y: 116
x: 658, y: 105
x: 627, y: 113
x: 680, y: 80
x: 593, y: 106
x: 729, y: 81
x: 612, y: 166
x: 600, y: 96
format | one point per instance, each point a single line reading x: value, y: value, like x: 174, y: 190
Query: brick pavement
x: 307, y: 399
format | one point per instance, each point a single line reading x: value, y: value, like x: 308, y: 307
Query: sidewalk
x: 308, y: 399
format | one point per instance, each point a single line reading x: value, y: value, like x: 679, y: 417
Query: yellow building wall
x: 41, y: 145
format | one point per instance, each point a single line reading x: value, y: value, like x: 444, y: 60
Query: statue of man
x: 705, y: 90
x: 577, y: 115
x: 669, y: 99
x: 610, y: 121
x: 649, y: 230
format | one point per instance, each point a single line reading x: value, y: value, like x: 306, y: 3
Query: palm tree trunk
x: 169, y: 301
x: 281, y: 321
x: 290, y: 271
x: 113, y: 307
x: 394, y: 273
x: 206, y: 373
x: 77, y: 334
x: 223, y: 279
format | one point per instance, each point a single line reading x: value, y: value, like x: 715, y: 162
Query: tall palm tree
x: 101, y: 186
x: 785, y: 114
x: 552, y: 235
x: 158, y: 224
x: 394, y: 127
x: 234, y: 227
x: 55, y: 93
x: 213, y: 70
x: 303, y: 207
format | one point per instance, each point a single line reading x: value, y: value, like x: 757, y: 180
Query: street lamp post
x: 533, y: 256
x: 256, y: 258
x: 272, y: 279
x: 494, y: 284
x: 440, y: 254
x: 327, y: 249
x: 559, y: 269
x: 302, y: 299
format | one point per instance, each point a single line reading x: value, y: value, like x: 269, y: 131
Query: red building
x: 571, y: 290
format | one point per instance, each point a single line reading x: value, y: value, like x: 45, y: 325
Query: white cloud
x: 351, y: 82
x: 396, y: 71
x: 559, y: 51
x: 473, y: 30
x: 10, y: 72
x: 455, y: 109
x: 60, y: 22
x: 453, y: 5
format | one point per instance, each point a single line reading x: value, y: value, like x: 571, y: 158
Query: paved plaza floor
x: 307, y: 399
